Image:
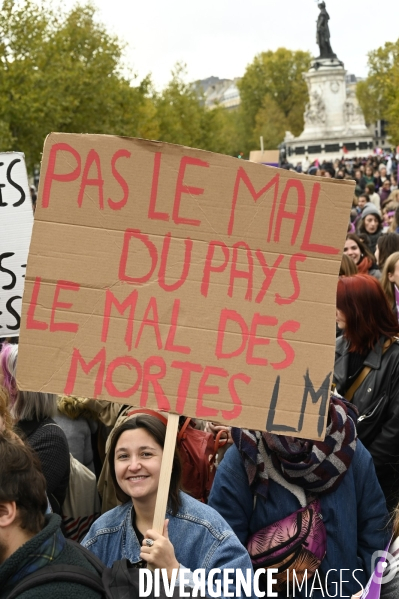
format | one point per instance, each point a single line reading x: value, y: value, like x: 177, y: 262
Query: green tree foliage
x: 274, y: 81
x: 229, y: 127
x: 179, y: 112
x: 271, y: 123
x: 182, y: 117
x: 64, y: 72
x: 378, y: 95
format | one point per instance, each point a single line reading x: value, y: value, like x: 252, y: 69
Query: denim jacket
x: 354, y: 515
x: 200, y: 537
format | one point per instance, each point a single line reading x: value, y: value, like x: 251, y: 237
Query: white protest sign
x: 16, y: 222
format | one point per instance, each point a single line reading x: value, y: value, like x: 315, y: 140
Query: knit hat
x: 371, y: 209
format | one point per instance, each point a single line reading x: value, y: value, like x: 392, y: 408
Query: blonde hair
x: 4, y: 411
x: 395, y: 524
x: 348, y: 268
x: 74, y: 407
x: 386, y: 284
x: 394, y: 224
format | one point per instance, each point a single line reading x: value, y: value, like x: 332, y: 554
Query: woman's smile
x: 135, y: 479
x: 138, y: 460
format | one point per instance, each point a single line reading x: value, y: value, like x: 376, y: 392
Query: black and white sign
x: 16, y: 221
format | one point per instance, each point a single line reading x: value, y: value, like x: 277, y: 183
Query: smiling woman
x: 137, y: 464
x: 361, y: 255
x: 194, y: 535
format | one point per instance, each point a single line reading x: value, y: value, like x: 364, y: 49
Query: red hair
x: 366, y: 310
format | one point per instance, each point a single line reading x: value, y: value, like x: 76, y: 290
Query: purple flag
x: 397, y: 301
x: 373, y: 588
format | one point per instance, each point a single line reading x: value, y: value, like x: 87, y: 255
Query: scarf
x: 316, y: 466
x: 48, y: 551
x: 364, y: 265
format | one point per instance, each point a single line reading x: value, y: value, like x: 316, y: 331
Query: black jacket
x: 382, y: 379
x: 48, y: 440
x: 56, y: 590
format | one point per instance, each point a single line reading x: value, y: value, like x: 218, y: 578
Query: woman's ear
x: 390, y: 277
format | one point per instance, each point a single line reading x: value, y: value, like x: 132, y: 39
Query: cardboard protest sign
x: 166, y: 277
x: 16, y: 221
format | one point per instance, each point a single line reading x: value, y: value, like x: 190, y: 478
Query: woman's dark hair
x: 22, y: 481
x: 371, y: 187
x: 387, y: 245
x: 367, y: 312
x: 365, y: 238
x: 362, y: 228
x: 364, y: 249
x: 157, y: 430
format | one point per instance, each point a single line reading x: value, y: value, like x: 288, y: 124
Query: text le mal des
x: 155, y: 368
x: 90, y: 173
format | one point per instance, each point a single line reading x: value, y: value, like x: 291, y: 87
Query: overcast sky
x: 220, y: 37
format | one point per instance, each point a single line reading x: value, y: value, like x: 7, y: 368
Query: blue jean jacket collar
x: 130, y: 546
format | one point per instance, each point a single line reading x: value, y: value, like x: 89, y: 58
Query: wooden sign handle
x: 166, y: 472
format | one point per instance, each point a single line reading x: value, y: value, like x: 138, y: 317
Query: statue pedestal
x: 334, y: 123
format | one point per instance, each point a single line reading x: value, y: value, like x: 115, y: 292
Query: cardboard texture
x: 173, y: 278
x: 267, y: 156
x: 16, y: 221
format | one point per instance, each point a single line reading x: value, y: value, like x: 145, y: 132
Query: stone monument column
x: 324, y: 113
x: 333, y: 121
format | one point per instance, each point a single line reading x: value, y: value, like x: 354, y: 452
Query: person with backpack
x: 30, y: 540
x: 313, y: 507
x: 194, y: 535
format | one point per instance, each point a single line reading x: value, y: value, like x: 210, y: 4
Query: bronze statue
x: 323, y: 33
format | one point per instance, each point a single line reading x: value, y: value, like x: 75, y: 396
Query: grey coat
x: 78, y: 432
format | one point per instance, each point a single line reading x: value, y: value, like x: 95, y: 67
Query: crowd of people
x: 277, y: 502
